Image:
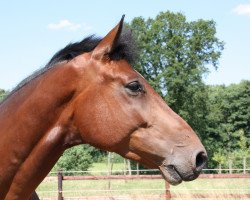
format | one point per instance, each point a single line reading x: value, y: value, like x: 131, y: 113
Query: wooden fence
x: 167, y: 194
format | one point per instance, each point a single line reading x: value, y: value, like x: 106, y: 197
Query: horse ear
x: 108, y: 43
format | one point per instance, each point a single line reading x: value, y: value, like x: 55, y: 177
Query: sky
x: 32, y: 31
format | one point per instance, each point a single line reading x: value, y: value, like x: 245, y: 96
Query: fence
x: 167, y: 194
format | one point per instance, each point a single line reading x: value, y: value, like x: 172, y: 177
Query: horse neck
x: 34, y: 125
x: 36, y: 107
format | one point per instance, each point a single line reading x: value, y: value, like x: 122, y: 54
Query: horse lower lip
x: 170, y: 174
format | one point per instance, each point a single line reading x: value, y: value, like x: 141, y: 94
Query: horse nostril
x: 201, y: 160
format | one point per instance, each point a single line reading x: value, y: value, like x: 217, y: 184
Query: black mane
x: 74, y: 49
x: 125, y: 49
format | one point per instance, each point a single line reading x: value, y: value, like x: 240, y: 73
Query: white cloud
x: 242, y: 9
x: 68, y: 25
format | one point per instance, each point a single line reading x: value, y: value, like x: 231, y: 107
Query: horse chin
x: 175, y: 175
x: 170, y: 174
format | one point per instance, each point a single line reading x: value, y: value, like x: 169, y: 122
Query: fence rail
x: 167, y: 193
x: 142, y: 172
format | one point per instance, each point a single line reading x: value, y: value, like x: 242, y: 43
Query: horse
x: 89, y: 93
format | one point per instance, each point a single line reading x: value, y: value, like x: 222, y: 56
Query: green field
x: 137, y: 188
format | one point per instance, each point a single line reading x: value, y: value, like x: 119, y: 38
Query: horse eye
x: 134, y: 87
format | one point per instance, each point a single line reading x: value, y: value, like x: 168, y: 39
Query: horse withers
x: 89, y: 94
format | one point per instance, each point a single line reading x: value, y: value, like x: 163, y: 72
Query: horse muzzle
x: 178, y: 171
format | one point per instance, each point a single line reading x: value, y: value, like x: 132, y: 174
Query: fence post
x: 60, y: 179
x: 244, y: 164
x: 167, y: 188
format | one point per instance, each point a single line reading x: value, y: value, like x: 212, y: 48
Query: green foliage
x: 3, y: 93
x: 243, y: 143
x: 219, y: 157
x: 174, y: 56
x: 228, y: 121
x: 77, y: 158
x: 229, y: 112
x: 116, y: 158
x: 97, y: 154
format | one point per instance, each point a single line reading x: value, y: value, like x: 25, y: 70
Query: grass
x: 132, y: 187
x: 137, y: 188
x: 81, y: 188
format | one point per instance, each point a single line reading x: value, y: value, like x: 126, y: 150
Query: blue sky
x: 32, y: 31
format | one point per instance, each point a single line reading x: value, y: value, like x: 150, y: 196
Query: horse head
x: 117, y: 110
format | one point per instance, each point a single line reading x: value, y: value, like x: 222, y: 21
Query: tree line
x: 175, y: 55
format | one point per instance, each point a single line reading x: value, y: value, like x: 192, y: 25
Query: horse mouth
x: 170, y: 174
x: 174, y: 176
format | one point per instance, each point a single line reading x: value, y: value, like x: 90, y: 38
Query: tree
x: 174, y: 56
x: 216, y: 131
x: 244, y: 150
x: 220, y: 158
x: 228, y: 121
x: 77, y: 158
x: 237, y: 108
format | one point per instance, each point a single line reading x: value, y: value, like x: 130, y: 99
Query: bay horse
x: 89, y: 94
